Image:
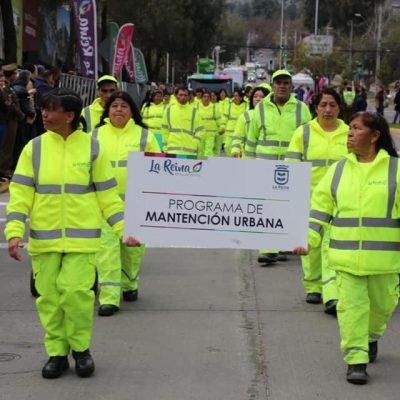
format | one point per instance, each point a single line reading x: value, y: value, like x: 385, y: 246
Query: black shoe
x: 130, y: 295
x: 106, y: 310
x: 282, y: 257
x: 55, y: 367
x: 372, y: 351
x: 330, y: 307
x: 84, y: 364
x: 357, y: 374
x: 314, y: 298
x: 268, y: 258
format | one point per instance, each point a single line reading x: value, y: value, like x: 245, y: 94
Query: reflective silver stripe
x: 336, y: 178
x: 179, y: 130
x: 330, y: 162
x: 48, y: 189
x: 88, y: 119
x: 262, y: 118
x: 250, y: 143
x: 380, y: 222
x: 95, y: 132
x: 186, y: 149
x: 236, y: 146
x: 113, y: 163
x: 110, y: 283
x: 250, y: 153
x: 378, y: 245
x: 122, y: 163
x: 284, y: 144
x: 16, y: 216
x: 393, y: 163
x: 143, y: 139
x: 194, y: 111
x: 355, y: 348
x: 169, y: 117
x: 346, y: 222
x: 94, y: 149
x: 320, y: 215
x: 317, y: 279
x: 105, y: 185
x: 294, y: 154
x: 45, y: 235
x: 246, y: 117
x: 374, y: 337
x: 237, y: 138
x: 267, y: 156
x: 268, y: 142
x: 36, y: 150
x: 316, y: 227
x: 23, y: 180
x: 199, y: 128
x: 306, y: 140
x: 78, y: 189
x: 82, y: 233
x: 321, y: 163
x: 344, y: 244
x: 115, y: 218
x: 331, y: 279
x: 298, y: 113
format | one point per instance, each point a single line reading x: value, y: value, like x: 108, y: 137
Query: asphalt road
x: 208, y: 325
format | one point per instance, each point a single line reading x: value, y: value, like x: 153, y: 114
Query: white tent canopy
x: 302, y: 79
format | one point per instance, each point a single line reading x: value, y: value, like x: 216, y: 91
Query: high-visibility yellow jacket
x: 182, y: 129
x: 311, y: 143
x: 272, y: 127
x: 210, y: 118
x: 232, y: 113
x: 118, y: 142
x: 241, y: 132
x: 361, y: 202
x: 67, y: 187
x: 223, y: 105
x: 92, y: 114
x: 153, y: 115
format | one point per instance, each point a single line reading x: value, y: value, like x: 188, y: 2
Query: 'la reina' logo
x: 281, y: 177
x: 175, y: 167
x: 85, y: 7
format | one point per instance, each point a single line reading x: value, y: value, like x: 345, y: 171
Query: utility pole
x: 281, y: 38
x: 378, y: 45
x: 316, y: 17
x: 167, y: 69
x: 351, y: 43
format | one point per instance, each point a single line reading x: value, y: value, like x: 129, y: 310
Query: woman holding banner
x: 120, y: 130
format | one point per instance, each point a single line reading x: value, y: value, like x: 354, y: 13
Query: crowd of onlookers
x: 20, y: 118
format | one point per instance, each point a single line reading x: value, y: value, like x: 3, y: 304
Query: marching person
x: 243, y: 122
x: 120, y: 131
x: 106, y: 86
x: 64, y: 183
x: 182, y: 129
x: 322, y: 141
x: 359, y: 198
x: 274, y: 121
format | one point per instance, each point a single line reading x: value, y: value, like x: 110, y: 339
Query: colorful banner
x: 140, y: 67
x: 86, y: 31
x: 130, y: 65
x: 112, y: 33
x: 183, y: 202
x: 122, y: 47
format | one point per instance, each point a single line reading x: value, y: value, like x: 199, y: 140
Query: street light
x: 358, y: 15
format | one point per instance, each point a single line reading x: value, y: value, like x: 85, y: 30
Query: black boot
x: 330, y: 307
x: 84, y: 364
x: 314, y: 298
x: 55, y: 367
x: 130, y: 295
x: 106, y: 310
x: 372, y: 351
x: 357, y: 374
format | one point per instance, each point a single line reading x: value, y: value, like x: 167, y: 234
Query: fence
x: 86, y: 88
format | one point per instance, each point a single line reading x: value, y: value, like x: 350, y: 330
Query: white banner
x: 217, y: 203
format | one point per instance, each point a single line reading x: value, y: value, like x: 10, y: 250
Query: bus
x: 211, y: 82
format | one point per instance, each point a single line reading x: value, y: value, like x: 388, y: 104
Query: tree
x: 10, y: 36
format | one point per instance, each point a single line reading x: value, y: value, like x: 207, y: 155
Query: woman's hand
x: 131, y: 242
x: 301, y: 251
x: 14, y: 244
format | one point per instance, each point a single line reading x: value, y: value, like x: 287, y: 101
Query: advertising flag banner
x: 140, y: 67
x: 86, y: 31
x: 122, y: 47
x: 175, y: 201
x: 130, y: 65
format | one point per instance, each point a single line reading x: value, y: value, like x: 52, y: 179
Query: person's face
x: 237, y: 98
x: 258, y: 96
x: 56, y: 119
x: 214, y: 97
x: 222, y: 95
x: 182, y: 96
x: 282, y: 86
x: 157, y: 98
x: 166, y: 98
x: 206, y: 99
x: 361, y: 138
x: 199, y: 95
x: 120, y: 113
x: 327, y: 109
x: 106, y: 89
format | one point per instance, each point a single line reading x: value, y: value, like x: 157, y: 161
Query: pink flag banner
x: 130, y: 64
x: 122, y: 47
x: 86, y: 32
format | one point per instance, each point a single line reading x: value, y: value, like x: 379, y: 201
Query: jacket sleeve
x: 165, y: 128
x: 322, y: 208
x: 253, y: 135
x: 295, y: 150
x: 111, y: 205
x: 239, y: 135
x: 22, y: 193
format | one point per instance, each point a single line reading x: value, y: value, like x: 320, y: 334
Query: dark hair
x: 23, y: 77
x: 257, y: 89
x: 128, y: 99
x: 30, y: 67
x: 220, y: 91
x: 65, y: 98
x: 184, y: 88
x: 328, y: 92
x: 376, y: 122
x: 240, y: 93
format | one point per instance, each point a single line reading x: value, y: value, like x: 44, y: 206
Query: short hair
x: 65, y: 98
